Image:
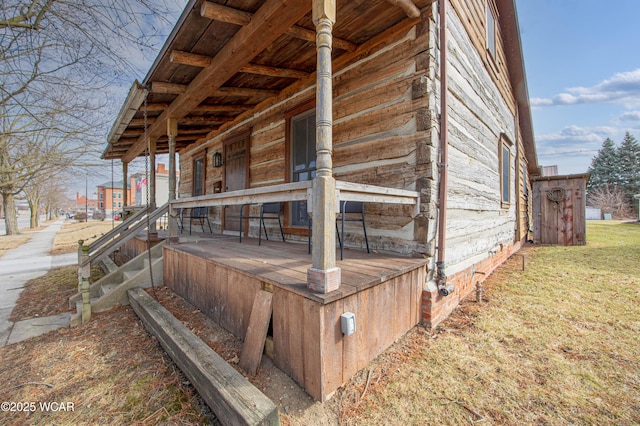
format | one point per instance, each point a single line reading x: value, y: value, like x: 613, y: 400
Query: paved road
x: 25, y: 263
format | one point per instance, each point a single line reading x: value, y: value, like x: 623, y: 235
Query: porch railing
x: 301, y: 191
x: 119, y: 235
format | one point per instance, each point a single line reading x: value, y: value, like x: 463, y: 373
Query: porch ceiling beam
x: 168, y: 88
x: 267, y: 24
x: 218, y: 12
x: 273, y: 71
x: 223, y: 108
x: 189, y: 119
x: 407, y: 6
x: 229, y: 15
x: 137, y: 122
x: 244, y: 91
x: 202, y: 61
x: 157, y: 106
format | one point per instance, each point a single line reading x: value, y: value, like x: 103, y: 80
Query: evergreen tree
x: 629, y: 157
x: 605, y: 166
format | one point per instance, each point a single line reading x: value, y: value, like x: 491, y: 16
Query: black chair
x: 268, y: 211
x: 346, y: 208
x: 197, y: 213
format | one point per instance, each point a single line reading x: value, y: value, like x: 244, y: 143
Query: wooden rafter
x: 158, y: 106
x: 273, y: 71
x: 243, y: 91
x: 186, y: 58
x: 227, y: 14
x: 202, y: 61
x: 266, y: 25
x: 223, y: 108
x: 407, y: 6
x: 168, y: 88
x: 138, y: 122
x: 201, y: 120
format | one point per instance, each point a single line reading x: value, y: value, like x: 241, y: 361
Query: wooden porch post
x: 152, y: 184
x: 324, y: 276
x: 172, y: 133
x: 125, y: 178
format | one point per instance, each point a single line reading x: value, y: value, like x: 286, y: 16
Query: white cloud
x: 631, y: 117
x: 621, y: 89
x: 575, y: 141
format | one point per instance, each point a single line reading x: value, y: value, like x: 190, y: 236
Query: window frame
x: 202, y: 156
x: 298, y: 111
x: 491, y: 33
x: 505, y: 170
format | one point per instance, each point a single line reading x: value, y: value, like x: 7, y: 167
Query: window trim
x: 505, y: 144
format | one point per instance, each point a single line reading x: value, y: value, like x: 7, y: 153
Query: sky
x: 582, y: 62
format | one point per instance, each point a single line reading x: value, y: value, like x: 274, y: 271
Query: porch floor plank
x: 285, y: 264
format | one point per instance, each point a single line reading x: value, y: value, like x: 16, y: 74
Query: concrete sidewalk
x: 17, y: 267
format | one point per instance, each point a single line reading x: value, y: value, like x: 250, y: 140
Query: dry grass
x: 66, y: 240
x: 110, y: 369
x: 556, y: 344
x: 8, y: 242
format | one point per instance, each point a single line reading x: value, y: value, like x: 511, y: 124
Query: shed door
x: 235, y: 162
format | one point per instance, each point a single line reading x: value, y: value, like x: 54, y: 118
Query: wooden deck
x: 285, y: 264
x: 222, y: 276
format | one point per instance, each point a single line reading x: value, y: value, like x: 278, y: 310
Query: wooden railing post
x: 86, y: 273
x: 80, y: 243
x: 324, y: 276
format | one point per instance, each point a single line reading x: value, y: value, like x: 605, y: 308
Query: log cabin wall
x: 482, y: 230
x: 382, y: 136
x: 481, y: 115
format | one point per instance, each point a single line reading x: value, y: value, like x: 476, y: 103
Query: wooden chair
x: 197, y: 213
x: 346, y: 208
x: 268, y: 211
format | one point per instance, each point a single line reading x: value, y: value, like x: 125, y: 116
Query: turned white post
x: 172, y: 133
x: 324, y: 276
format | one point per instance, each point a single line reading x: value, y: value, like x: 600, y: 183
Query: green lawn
x: 556, y: 344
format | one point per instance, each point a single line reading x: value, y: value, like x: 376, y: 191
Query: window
x: 119, y: 194
x: 303, y: 160
x: 101, y: 206
x: 198, y: 176
x: 119, y: 204
x: 101, y: 195
x: 505, y: 172
x: 491, y: 29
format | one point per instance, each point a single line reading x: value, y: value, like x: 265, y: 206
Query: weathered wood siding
x: 559, y: 210
x: 480, y: 111
x: 380, y: 127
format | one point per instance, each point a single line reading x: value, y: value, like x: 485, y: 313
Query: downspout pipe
x: 443, y: 288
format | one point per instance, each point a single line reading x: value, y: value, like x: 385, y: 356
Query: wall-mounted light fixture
x: 217, y: 159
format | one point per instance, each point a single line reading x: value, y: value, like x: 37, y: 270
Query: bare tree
x: 59, y: 60
x: 610, y: 199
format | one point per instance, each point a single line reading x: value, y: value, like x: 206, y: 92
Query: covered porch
x: 223, y: 93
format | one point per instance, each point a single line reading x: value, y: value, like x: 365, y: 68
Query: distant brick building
x: 110, y: 197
